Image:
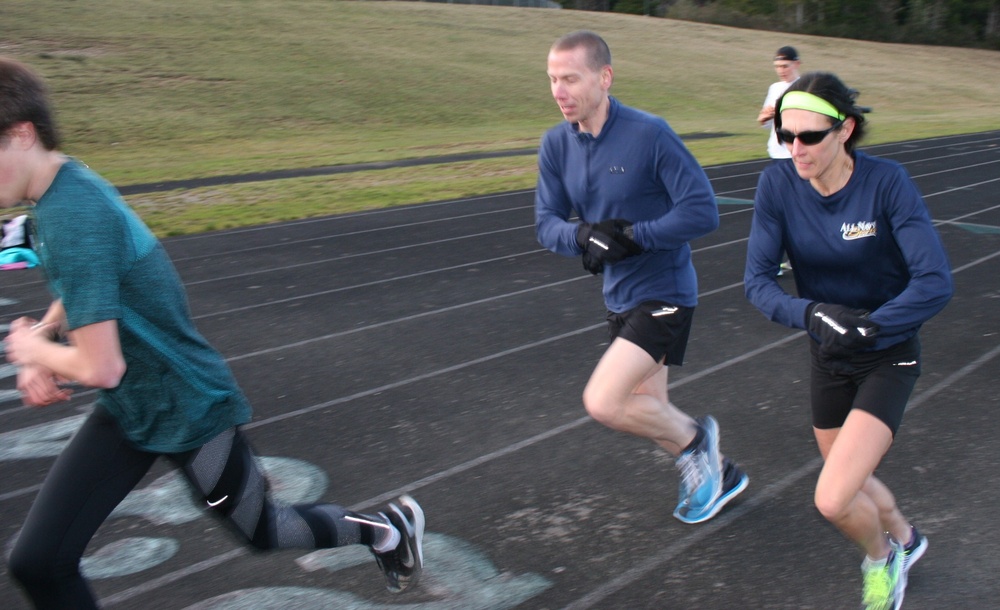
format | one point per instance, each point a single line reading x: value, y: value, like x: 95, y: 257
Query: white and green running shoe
x: 884, y: 581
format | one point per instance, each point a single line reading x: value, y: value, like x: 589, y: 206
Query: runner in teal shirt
x: 120, y: 323
x: 103, y: 263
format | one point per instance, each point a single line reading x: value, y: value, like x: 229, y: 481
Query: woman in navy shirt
x: 869, y: 270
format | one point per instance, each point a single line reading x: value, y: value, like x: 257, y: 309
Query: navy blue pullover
x: 870, y: 245
x: 636, y: 169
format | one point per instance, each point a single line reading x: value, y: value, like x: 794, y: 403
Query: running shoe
x: 884, y: 581
x: 701, y: 476
x: 402, y: 566
x: 734, y: 481
x: 914, y: 550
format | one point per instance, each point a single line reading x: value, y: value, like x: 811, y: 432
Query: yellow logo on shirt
x: 858, y: 230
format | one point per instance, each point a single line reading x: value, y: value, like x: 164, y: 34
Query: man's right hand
x: 604, y: 244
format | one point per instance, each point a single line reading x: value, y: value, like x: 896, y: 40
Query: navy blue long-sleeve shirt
x: 636, y: 169
x: 870, y: 245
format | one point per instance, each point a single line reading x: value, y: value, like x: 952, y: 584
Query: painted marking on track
x: 977, y: 228
x: 456, y: 575
x: 43, y: 440
x: 128, y: 556
x: 733, y: 201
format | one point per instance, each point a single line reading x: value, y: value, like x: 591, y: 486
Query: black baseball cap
x: 786, y: 54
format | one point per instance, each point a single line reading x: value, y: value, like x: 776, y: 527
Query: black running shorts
x: 877, y: 382
x: 659, y: 328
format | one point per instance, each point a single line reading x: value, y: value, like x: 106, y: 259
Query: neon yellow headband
x: 807, y: 101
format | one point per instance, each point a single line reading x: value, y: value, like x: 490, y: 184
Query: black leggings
x: 99, y: 468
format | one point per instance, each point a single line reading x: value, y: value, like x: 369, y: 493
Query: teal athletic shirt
x: 636, y: 169
x: 870, y: 245
x: 105, y: 264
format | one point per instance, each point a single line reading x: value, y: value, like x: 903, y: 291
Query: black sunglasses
x: 806, y: 137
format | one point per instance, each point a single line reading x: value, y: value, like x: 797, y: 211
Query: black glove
x: 621, y: 231
x: 605, y: 243
x: 842, y: 331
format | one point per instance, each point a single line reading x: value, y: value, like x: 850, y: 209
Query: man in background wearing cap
x: 786, y: 64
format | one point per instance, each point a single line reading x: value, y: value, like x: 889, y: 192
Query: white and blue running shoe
x: 708, y: 481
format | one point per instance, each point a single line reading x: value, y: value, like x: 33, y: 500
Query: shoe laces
x: 691, y: 467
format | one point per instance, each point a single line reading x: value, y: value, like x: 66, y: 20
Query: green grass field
x: 150, y: 90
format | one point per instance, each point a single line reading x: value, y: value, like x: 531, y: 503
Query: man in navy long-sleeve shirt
x: 617, y: 187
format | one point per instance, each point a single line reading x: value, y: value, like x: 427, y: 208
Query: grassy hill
x: 151, y: 90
